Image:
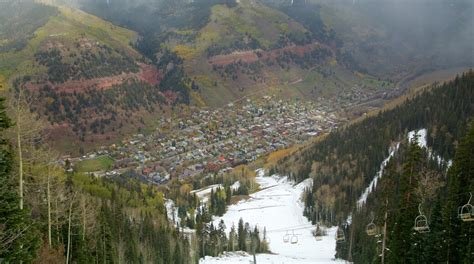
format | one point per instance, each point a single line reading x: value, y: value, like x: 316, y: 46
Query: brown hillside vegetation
x: 148, y: 73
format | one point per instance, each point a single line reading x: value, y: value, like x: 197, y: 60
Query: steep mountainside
x: 66, y: 217
x: 232, y: 49
x: 79, y: 72
x: 344, y: 162
x: 416, y: 208
x: 91, y: 76
x: 421, y: 207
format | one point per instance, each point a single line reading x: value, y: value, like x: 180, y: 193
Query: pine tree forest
x: 433, y: 183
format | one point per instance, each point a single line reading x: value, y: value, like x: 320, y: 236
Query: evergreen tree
x: 241, y: 235
x: 232, y: 239
x: 177, y: 255
x: 222, y: 236
x: 404, y: 238
x: 435, y: 245
x: 228, y: 193
x: 460, y: 247
x: 18, y: 236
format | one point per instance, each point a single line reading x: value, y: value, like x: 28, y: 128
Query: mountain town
x: 236, y: 131
x: 215, y: 141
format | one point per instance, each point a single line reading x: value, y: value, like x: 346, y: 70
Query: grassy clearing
x: 112, y: 35
x: 186, y: 52
x: 374, y: 82
x: 96, y: 164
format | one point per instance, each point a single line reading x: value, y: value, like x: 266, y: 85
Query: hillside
x: 52, y: 215
x: 229, y: 50
x: 212, y: 52
x: 93, y: 75
x: 251, y: 48
x: 84, y: 70
x: 346, y: 169
x: 342, y: 173
x: 296, y: 49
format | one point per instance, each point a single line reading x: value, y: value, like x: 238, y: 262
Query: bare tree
x: 429, y: 183
x: 68, y: 249
x: 27, y: 132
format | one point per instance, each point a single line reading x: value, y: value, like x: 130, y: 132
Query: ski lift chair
x: 294, y: 238
x: 340, y: 237
x: 421, y: 222
x: 466, y: 212
x: 286, y: 237
x: 371, y: 228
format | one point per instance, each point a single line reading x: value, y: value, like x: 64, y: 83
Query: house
x: 188, y: 173
x: 124, y: 163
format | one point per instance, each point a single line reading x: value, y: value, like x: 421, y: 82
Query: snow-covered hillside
x: 422, y: 142
x: 363, y: 198
x: 421, y: 137
x: 278, y: 208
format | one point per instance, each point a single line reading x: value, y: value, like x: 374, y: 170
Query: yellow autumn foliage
x: 185, y: 52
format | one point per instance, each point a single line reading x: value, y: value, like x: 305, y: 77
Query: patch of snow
x: 278, y: 209
x: 173, y: 217
x: 235, y: 186
x: 450, y: 163
x: 172, y: 212
x: 422, y: 142
x: 363, y: 198
x: 206, y: 190
x: 349, y: 219
x: 203, y: 193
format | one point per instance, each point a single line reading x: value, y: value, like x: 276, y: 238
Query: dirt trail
x: 256, y: 55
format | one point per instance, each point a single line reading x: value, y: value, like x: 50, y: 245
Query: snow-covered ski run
x: 278, y: 208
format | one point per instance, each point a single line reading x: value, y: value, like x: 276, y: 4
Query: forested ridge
x: 414, y: 187
x: 344, y: 162
x: 96, y: 110
x: 70, y: 217
x: 84, y: 63
x: 153, y: 21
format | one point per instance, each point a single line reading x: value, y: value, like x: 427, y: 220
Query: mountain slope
x: 212, y: 52
x: 61, y: 25
x: 231, y: 49
x: 252, y: 48
x: 87, y: 76
x: 341, y: 172
x: 344, y: 163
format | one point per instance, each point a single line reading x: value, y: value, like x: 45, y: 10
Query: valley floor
x: 278, y: 209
